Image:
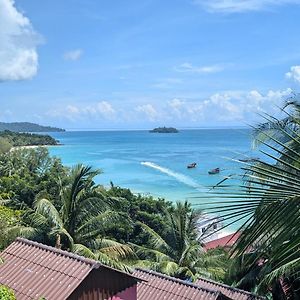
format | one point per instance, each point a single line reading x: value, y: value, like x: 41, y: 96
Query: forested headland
x: 27, y: 127
x: 9, y: 139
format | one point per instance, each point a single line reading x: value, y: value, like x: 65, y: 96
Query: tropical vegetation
x: 178, y: 250
x: 27, y: 127
x: 15, y: 139
x: 266, y: 258
x: 6, y: 293
x: 63, y: 207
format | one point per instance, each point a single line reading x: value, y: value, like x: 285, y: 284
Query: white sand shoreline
x: 32, y: 147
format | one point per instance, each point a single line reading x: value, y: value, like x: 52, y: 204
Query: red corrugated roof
x: 226, y: 241
x: 34, y: 270
x: 158, y: 286
x: 230, y: 292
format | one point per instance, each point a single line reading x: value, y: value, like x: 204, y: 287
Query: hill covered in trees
x: 27, y: 127
x: 9, y: 139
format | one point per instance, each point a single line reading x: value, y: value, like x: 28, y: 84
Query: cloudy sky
x: 143, y: 63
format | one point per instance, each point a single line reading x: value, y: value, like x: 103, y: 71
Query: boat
x: 214, y: 171
x: 192, y: 165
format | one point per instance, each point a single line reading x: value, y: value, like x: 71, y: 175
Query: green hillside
x: 27, y: 127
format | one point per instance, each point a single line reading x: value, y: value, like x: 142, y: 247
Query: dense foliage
x: 6, y: 293
x: 27, y: 127
x: 63, y: 207
x: 26, y: 139
x: 267, y: 255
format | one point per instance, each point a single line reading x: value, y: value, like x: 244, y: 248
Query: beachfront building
x: 36, y: 271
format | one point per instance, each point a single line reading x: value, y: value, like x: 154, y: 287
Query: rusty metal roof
x: 34, y: 270
x: 158, y: 286
x: 225, y: 241
x: 230, y: 292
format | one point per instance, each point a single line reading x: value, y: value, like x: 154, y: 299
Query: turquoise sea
x: 156, y: 164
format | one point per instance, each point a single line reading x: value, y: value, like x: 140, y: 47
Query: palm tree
x: 79, y: 224
x: 268, y: 249
x: 178, y: 252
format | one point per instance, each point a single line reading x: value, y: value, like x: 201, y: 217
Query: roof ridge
x: 179, y: 281
x: 217, y: 293
x: 229, y: 287
x: 94, y: 264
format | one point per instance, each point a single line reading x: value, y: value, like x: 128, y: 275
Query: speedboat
x: 214, y: 171
x: 192, y: 165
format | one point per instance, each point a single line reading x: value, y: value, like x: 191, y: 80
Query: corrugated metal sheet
x: 112, y: 284
x: 232, y: 293
x: 226, y: 241
x: 34, y: 270
x: 159, y: 286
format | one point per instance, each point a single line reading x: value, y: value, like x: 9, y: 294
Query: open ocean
x: 156, y: 164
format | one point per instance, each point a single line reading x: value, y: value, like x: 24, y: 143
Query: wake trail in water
x: 178, y: 176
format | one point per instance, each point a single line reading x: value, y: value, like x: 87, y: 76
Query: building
x: 225, y: 242
x: 36, y: 271
x: 159, y: 286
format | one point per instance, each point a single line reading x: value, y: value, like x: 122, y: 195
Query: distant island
x: 27, y: 127
x: 164, y: 130
x: 15, y: 139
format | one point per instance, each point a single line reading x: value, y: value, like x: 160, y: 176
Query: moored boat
x: 214, y: 171
x: 192, y: 165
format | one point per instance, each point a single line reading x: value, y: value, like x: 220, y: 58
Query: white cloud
x: 106, y: 109
x: 18, y: 54
x: 150, y: 112
x: 294, y: 73
x: 227, y: 106
x: 188, y: 67
x: 73, y: 55
x: 101, y: 109
x: 236, y: 6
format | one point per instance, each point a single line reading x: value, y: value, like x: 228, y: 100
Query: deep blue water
x: 156, y: 163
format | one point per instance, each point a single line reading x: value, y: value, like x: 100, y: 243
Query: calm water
x: 156, y: 163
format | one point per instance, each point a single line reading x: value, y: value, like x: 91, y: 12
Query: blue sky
x: 144, y: 63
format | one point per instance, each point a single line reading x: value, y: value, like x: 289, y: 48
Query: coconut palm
x: 79, y: 224
x: 178, y: 252
x: 269, y: 205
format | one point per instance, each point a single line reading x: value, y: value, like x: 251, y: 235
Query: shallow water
x: 156, y: 164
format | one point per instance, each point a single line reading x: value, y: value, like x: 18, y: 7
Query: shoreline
x: 14, y: 148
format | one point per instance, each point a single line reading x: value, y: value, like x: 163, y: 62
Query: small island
x: 164, y: 130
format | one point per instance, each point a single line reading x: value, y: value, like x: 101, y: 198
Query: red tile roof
x: 230, y: 292
x: 226, y: 241
x: 34, y: 270
x: 158, y: 286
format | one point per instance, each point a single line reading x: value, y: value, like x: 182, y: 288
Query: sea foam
x: 178, y: 176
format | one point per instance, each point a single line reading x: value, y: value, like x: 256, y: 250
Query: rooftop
x: 226, y: 241
x: 34, y: 270
x: 230, y: 292
x: 160, y: 286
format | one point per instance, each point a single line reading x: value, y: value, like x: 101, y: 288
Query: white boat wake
x: 178, y: 176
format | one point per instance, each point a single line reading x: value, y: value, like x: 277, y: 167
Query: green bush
x: 6, y: 293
